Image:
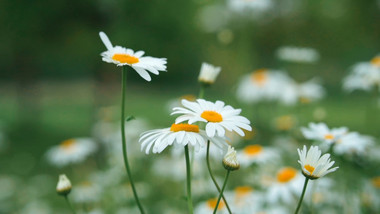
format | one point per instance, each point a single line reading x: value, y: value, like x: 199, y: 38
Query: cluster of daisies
x: 274, y: 85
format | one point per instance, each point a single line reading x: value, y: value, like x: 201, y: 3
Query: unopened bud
x: 64, y: 185
x: 229, y: 161
x: 208, y: 74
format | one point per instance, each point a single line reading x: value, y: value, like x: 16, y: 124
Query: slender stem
x: 212, y: 176
x: 201, y: 92
x: 125, y: 156
x: 303, y: 193
x: 68, y: 202
x: 188, y: 180
x: 221, y: 192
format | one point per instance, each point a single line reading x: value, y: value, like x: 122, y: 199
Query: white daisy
x: 256, y: 154
x: 320, y: 132
x: 363, y: 76
x: 353, y: 143
x: 285, y: 186
x: 313, y: 165
x: 217, y: 116
x: 182, y: 134
x: 64, y: 185
x: 297, y: 54
x: 244, y: 200
x: 124, y: 56
x: 208, y: 74
x: 71, y: 151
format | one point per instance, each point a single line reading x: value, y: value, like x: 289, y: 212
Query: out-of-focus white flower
x: 182, y: 134
x: 313, y: 164
x: 256, y: 154
x: 71, y: 151
x: 86, y: 192
x: 353, y: 143
x: 244, y: 200
x: 297, y: 54
x: 230, y: 161
x: 36, y: 206
x: 124, y: 56
x: 208, y: 74
x: 64, y: 185
x: 363, y: 76
x: 218, y: 117
x: 209, y: 206
x: 287, y: 183
x: 320, y: 132
x: 243, y: 6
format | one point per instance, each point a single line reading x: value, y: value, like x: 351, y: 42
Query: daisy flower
x: 64, y: 185
x: 363, y: 76
x: 297, y: 54
x: 256, y: 154
x: 209, y: 206
x: 285, y: 185
x: 313, y: 165
x: 124, y: 56
x: 182, y: 134
x: 208, y: 74
x: 244, y: 199
x: 87, y: 192
x: 218, y: 117
x: 353, y: 143
x: 71, y: 151
x: 320, y: 132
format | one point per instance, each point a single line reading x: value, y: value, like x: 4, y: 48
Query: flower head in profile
x: 320, y: 132
x: 230, y: 161
x: 313, y: 164
x: 124, y: 56
x: 71, y: 151
x: 208, y: 74
x: 183, y: 134
x: 64, y: 185
x: 218, y: 116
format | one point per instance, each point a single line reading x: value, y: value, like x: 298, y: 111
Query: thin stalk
x: 221, y: 192
x: 201, y: 91
x: 68, y: 203
x: 188, y: 180
x: 303, y: 193
x: 212, y: 176
x: 125, y: 156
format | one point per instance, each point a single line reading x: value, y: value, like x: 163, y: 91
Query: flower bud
x: 229, y: 161
x: 208, y: 74
x: 64, y: 185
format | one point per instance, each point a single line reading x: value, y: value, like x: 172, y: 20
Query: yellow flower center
x: 211, y: 203
x: 376, y: 182
x: 309, y: 168
x: 184, y: 127
x: 329, y: 137
x: 125, y: 58
x: 212, y: 116
x: 376, y: 61
x: 243, y: 190
x: 286, y: 174
x: 260, y: 76
x: 67, y: 144
x: 253, y: 150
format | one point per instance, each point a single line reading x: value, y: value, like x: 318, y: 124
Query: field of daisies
x: 195, y: 107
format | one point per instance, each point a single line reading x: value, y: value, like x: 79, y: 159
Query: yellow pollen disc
x: 253, y: 150
x: 211, y: 203
x: 286, y: 174
x: 184, y: 127
x: 329, y: 137
x: 259, y: 76
x: 376, y: 61
x: 243, y: 190
x: 309, y: 168
x: 67, y: 144
x: 212, y: 116
x: 376, y: 182
x: 125, y: 58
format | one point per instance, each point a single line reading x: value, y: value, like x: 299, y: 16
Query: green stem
x: 201, y: 92
x: 125, y: 156
x: 188, y: 180
x: 68, y: 202
x: 212, y: 176
x: 221, y: 192
x: 303, y: 193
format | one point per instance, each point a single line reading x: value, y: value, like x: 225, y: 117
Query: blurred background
x: 54, y: 85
